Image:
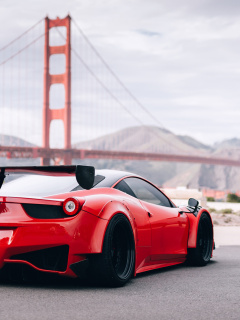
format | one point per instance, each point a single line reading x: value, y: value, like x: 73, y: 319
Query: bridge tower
x: 64, y: 113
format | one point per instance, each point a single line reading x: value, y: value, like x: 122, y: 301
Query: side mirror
x: 193, y: 203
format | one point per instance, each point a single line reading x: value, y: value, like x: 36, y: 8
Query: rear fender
x: 112, y: 208
x: 115, y: 207
x: 193, y: 227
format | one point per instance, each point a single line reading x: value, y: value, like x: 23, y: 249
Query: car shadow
x: 52, y: 283
x: 42, y: 280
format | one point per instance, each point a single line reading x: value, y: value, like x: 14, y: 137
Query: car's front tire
x: 115, y: 265
x: 201, y: 255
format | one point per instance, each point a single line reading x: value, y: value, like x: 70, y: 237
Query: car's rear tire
x: 201, y: 255
x: 115, y: 265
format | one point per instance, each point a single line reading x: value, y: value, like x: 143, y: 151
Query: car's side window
x: 122, y: 186
x: 147, y: 192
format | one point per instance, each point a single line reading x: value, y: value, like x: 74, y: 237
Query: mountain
x: 194, y: 143
x: 214, y: 177
x: 169, y: 174
x: 228, y: 144
x: 145, y: 139
x: 11, y: 141
x: 156, y: 140
x: 7, y: 140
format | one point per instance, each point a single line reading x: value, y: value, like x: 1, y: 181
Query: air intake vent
x: 42, y: 211
x: 55, y: 258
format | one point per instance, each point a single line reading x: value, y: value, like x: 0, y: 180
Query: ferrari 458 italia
x: 105, y: 224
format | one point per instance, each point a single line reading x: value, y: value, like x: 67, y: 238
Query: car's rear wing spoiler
x: 84, y: 174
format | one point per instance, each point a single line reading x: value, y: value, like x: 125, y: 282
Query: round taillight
x: 71, y: 206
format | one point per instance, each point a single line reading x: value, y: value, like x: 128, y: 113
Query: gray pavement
x: 182, y: 292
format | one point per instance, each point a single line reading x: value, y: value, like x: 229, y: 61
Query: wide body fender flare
x: 193, y: 227
x: 114, y: 207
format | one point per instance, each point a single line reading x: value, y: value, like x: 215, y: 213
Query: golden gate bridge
x: 89, y: 92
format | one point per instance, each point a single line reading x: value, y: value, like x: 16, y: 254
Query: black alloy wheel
x: 115, y: 265
x: 201, y: 255
x: 121, y: 252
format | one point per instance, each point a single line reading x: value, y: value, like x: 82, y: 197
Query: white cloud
x: 179, y: 57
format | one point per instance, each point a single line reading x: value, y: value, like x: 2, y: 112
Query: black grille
x: 55, y: 258
x: 42, y: 211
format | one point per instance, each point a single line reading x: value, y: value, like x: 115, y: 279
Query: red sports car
x: 112, y: 225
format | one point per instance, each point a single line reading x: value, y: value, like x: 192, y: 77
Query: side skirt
x: 160, y: 265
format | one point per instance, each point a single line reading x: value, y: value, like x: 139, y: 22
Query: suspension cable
x: 21, y: 50
x: 116, y: 77
x: 19, y: 37
x: 114, y: 97
x: 105, y: 88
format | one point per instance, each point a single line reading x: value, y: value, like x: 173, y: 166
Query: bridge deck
x: 36, y: 152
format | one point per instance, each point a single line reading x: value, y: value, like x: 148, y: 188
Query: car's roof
x: 112, y: 176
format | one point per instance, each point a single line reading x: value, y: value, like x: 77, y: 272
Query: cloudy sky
x: 180, y: 58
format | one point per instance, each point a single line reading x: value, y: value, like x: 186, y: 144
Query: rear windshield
x: 41, y: 186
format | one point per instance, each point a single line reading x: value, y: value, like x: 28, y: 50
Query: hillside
x: 215, y: 177
x: 145, y: 139
x: 7, y: 140
x: 154, y: 139
x: 233, y: 143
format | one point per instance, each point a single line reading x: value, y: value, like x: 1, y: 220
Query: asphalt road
x: 182, y: 292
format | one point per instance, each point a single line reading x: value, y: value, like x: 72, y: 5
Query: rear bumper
x: 31, y: 241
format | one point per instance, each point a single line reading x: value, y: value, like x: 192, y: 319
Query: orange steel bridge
x: 55, y: 154
x: 64, y: 114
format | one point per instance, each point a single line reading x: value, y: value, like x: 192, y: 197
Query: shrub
x: 226, y: 211
x: 210, y: 199
x: 212, y: 210
x: 232, y: 197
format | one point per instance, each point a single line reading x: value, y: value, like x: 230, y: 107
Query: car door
x: 169, y: 227
x: 141, y: 219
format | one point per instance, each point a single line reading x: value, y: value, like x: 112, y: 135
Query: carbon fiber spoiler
x: 84, y: 174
